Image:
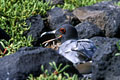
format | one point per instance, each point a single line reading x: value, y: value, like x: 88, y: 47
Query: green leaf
x: 42, y: 68
x: 63, y: 68
x: 118, y: 45
x: 117, y: 54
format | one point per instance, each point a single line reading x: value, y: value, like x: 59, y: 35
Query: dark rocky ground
x: 28, y: 60
x: 99, y: 22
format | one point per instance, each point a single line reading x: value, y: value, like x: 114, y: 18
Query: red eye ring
x: 62, y: 30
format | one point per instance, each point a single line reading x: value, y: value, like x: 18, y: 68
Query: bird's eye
x: 62, y: 30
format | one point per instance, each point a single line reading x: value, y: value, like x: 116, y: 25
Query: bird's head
x: 66, y: 32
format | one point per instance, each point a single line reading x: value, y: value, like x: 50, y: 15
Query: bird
x: 5, y: 36
x: 78, y: 51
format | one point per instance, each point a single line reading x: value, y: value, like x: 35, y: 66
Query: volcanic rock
x: 88, y: 30
x: 105, y: 15
x: 28, y: 60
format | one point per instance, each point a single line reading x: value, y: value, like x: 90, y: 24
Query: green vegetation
x: 56, y: 75
x: 13, y: 14
x: 118, y: 3
x: 72, y: 4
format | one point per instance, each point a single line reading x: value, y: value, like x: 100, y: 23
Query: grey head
x: 63, y: 33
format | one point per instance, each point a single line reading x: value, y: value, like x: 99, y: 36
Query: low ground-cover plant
x: 118, y: 3
x: 56, y: 75
x: 13, y: 14
x: 72, y: 4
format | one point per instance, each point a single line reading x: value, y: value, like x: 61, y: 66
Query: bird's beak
x: 50, y: 32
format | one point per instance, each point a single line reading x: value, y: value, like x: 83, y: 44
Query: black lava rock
x: 104, y: 14
x: 56, y: 17
x: 55, y: 2
x: 104, y: 40
x: 28, y: 60
x: 105, y: 62
x: 36, y: 26
x: 88, y: 30
x: 104, y: 5
x: 112, y: 17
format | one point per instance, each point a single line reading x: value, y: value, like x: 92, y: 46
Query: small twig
x: 48, y: 41
x: 6, y: 50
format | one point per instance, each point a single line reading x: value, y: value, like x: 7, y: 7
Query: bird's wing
x: 77, y: 50
x: 65, y: 50
x: 86, y: 47
x: 66, y: 46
